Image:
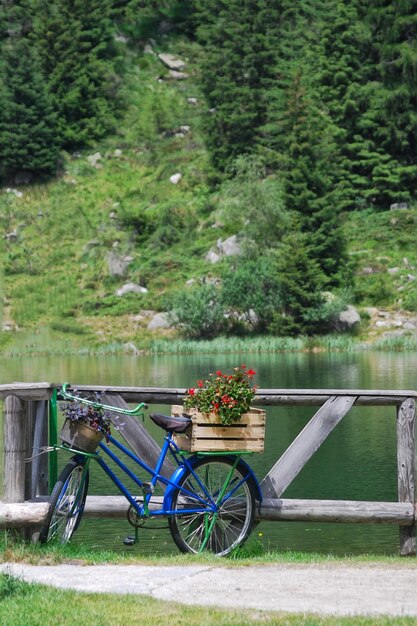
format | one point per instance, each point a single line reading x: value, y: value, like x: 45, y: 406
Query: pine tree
x: 27, y: 124
x: 301, y: 282
x: 236, y: 67
x: 309, y: 158
x: 76, y: 44
x: 342, y: 73
x: 394, y: 27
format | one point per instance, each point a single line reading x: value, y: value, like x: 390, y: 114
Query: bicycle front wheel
x: 67, y: 503
x: 225, y: 520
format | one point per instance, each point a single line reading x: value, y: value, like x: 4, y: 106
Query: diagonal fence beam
x: 305, y: 445
x: 406, y: 461
x: 136, y: 435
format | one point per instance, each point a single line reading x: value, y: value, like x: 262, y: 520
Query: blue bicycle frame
x: 184, y: 465
x: 216, y: 505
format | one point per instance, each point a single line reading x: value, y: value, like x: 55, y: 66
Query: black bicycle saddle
x: 171, y: 424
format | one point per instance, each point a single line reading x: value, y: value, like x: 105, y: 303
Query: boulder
x: 229, y: 247
x: 171, y: 62
x: 117, y: 264
x: 402, y: 206
x: 177, y: 75
x: 130, y: 288
x: 130, y: 348
x: 348, y: 318
x: 16, y: 192
x: 212, y: 256
x: 175, y: 178
x: 160, y: 320
x: 23, y: 178
x: 94, y: 160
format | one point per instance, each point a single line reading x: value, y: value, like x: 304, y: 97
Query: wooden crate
x: 207, y: 434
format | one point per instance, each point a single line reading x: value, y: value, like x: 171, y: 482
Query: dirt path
x: 324, y: 589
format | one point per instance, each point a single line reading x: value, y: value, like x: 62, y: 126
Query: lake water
x: 357, y: 461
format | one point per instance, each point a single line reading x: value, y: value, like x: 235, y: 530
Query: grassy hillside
x: 57, y: 237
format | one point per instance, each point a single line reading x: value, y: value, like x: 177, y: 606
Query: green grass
x: 252, y: 553
x: 44, y: 604
x: 23, y: 604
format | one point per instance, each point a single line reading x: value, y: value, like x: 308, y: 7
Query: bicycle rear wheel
x: 67, y: 503
x: 229, y: 492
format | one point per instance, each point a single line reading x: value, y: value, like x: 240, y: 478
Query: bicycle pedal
x: 129, y: 541
x: 147, y: 488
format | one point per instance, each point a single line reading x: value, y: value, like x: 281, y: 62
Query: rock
x: 395, y: 333
x: 16, y: 192
x: 23, y: 178
x: 192, y: 101
x: 130, y: 348
x: 393, y: 270
x: 212, y: 256
x: 348, y: 318
x: 160, y: 320
x: 229, y: 247
x: 117, y: 153
x: 411, y: 277
x: 94, y: 160
x: 367, y: 271
x: 12, y: 236
x: 175, y: 178
x: 403, y: 206
x: 190, y: 282
x: 252, y: 317
x: 117, y: 264
x: 148, y: 49
x: 177, y: 75
x: 384, y: 314
x: 130, y: 288
x: 121, y: 38
x: 183, y: 130
x: 171, y: 62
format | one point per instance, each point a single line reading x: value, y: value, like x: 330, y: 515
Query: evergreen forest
x: 246, y: 168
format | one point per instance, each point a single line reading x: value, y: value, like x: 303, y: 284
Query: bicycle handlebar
x: 99, y: 405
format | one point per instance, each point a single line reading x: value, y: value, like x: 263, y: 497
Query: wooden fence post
x: 406, y: 461
x: 39, y: 465
x: 15, y: 438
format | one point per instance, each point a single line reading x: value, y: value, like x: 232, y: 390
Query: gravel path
x: 324, y: 589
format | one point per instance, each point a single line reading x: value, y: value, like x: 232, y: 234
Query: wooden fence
x: 27, y: 413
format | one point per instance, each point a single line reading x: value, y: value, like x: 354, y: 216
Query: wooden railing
x: 26, y: 416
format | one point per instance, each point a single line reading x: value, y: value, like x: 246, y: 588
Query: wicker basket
x: 207, y: 434
x: 80, y: 436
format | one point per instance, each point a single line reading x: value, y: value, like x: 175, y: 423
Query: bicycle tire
x: 235, y: 513
x: 66, y: 503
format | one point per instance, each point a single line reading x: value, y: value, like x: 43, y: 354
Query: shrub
x: 252, y: 287
x: 199, y: 312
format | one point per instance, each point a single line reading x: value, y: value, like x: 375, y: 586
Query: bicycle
x: 209, y: 500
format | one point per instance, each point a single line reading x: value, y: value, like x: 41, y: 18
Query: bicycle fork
x: 209, y: 525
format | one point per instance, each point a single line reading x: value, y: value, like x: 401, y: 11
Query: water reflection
x: 357, y: 461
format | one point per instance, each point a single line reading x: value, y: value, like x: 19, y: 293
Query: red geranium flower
x: 228, y: 395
